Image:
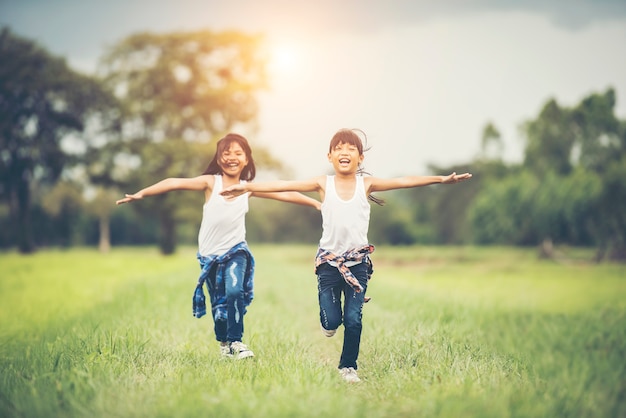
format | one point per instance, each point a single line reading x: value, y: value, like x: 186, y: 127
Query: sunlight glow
x: 285, y: 60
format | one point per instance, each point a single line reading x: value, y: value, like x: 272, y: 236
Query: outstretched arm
x: 381, y: 185
x: 168, y: 185
x: 312, y: 185
x: 291, y: 197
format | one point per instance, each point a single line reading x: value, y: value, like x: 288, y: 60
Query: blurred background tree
x: 43, y: 106
x: 180, y: 93
x: 570, y: 187
x: 72, y: 144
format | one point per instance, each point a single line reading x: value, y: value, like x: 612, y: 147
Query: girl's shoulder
x: 368, y: 181
x: 321, y: 180
x: 209, y: 179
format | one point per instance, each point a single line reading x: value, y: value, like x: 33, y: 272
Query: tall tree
x: 181, y: 92
x: 65, y: 205
x: 549, y: 140
x: 572, y: 190
x: 100, y: 206
x: 601, y: 143
x: 500, y: 213
x: 42, y: 102
x: 491, y: 145
x: 598, y: 132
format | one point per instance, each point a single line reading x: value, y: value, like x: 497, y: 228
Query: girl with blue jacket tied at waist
x: 227, y: 265
x: 342, y: 264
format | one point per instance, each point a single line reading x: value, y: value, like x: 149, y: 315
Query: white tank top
x: 344, y: 222
x: 223, y: 222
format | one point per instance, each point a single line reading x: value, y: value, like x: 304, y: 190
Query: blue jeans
x: 232, y: 328
x: 330, y: 286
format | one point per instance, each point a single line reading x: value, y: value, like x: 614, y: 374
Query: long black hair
x: 357, y: 138
x: 249, y: 171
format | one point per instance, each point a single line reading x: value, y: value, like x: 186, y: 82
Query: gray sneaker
x: 349, y: 375
x: 225, y: 350
x: 240, y: 351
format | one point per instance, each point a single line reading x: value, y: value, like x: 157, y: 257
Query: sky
x: 420, y: 78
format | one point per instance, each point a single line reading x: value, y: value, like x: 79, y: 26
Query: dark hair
x: 249, y: 172
x: 354, y: 137
x: 357, y: 138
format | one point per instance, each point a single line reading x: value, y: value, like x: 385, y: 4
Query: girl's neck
x: 229, y: 180
x: 345, y: 176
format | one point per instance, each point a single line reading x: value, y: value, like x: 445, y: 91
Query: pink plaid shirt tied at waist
x: 354, y: 254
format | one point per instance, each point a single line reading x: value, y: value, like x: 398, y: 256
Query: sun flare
x: 284, y: 59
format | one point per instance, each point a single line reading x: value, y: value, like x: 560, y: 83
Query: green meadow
x: 450, y: 332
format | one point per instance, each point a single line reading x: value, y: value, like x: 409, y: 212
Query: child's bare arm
x: 291, y: 197
x: 312, y: 185
x: 380, y: 185
x: 168, y: 185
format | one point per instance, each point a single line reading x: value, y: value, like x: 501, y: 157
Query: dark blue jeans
x: 232, y: 329
x: 330, y: 286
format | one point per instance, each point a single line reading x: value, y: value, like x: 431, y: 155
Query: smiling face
x: 346, y: 152
x: 233, y: 160
x: 345, y: 158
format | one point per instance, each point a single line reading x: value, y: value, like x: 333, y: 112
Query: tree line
x: 71, y: 143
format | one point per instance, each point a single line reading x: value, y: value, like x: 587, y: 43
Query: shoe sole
x: 244, y: 354
x: 350, y: 378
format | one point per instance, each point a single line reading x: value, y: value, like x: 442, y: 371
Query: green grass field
x: 450, y: 332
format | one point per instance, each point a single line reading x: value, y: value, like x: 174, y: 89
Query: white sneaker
x: 225, y: 350
x: 240, y: 350
x: 349, y: 375
x: 328, y: 332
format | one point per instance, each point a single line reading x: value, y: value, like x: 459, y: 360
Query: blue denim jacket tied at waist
x: 215, y: 282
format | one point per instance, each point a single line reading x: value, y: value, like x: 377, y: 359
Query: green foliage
x: 65, y: 205
x: 571, y: 203
x: 180, y: 93
x: 529, y: 209
x: 392, y: 224
x: 491, y: 145
x: 274, y: 221
x: 129, y: 227
x: 188, y: 85
x: 570, y: 190
x: 445, y: 206
x: 598, y: 132
x: 550, y: 140
x: 508, y: 221
x: 610, y: 208
x: 463, y: 331
x: 42, y: 101
x: 175, y: 94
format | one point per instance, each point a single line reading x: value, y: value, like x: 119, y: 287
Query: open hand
x: 455, y: 178
x: 129, y: 198
x: 234, y: 190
